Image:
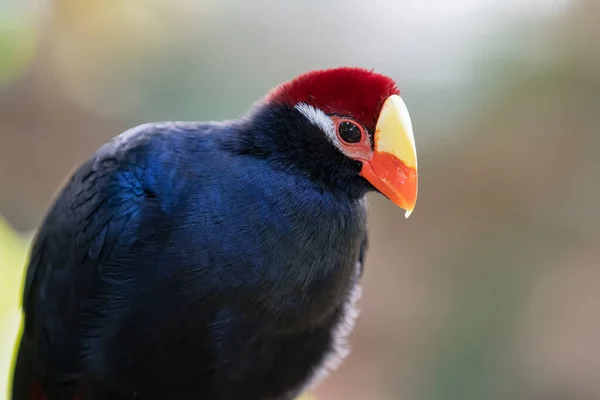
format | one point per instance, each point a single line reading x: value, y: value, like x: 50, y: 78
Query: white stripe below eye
x: 320, y: 120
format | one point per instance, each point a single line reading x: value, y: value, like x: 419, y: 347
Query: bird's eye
x: 349, y: 132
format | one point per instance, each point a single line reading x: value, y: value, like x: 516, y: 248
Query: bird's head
x: 351, y: 125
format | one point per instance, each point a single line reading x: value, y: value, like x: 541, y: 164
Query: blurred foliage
x: 13, y: 250
x: 18, y: 40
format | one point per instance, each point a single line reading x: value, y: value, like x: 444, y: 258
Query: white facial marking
x: 320, y: 120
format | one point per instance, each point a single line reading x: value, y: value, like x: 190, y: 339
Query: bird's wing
x: 95, y: 220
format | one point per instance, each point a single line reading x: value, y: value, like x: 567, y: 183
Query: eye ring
x: 349, y: 131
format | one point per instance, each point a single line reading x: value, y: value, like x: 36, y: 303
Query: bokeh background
x: 491, y: 290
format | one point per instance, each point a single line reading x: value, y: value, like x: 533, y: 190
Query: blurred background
x: 489, y: 291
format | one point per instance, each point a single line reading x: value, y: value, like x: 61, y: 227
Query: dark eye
x: 349, y: 132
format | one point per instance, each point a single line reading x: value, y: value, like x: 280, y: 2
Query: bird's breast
x: 276, y: 244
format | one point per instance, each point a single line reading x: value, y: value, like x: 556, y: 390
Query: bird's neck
x: 283, y: 136
x: 317, y: 255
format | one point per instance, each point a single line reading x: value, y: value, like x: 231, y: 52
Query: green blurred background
x: 489, y: 291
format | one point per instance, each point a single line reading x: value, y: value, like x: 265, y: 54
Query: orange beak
x: 393, y: 167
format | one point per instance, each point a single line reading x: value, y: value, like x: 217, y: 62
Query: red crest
x: 351, y: 92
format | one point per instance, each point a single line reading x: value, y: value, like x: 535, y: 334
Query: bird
x: 215, y: 260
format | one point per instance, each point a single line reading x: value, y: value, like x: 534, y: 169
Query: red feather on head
x: 352, y: 92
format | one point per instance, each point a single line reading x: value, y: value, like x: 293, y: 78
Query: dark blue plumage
x: 174, y: 266
x: 213, y: 261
